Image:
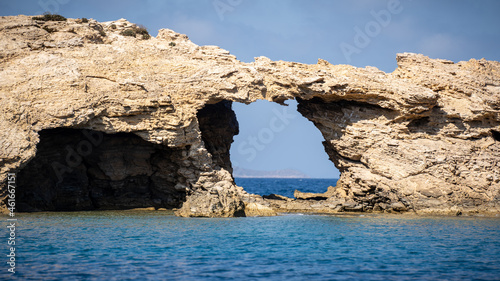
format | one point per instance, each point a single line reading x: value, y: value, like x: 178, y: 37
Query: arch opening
x: 278, y: 151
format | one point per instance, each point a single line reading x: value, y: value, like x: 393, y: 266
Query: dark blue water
x: 284, y: 187
x: 149, y: 245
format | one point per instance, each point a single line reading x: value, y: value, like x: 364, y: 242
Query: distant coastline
x: 284, y: 173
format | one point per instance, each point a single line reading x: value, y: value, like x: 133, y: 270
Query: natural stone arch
x: 425, y: 141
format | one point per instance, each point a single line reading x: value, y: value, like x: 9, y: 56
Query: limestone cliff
x: 93, y: 119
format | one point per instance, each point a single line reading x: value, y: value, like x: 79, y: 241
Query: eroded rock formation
x: 425, y: 138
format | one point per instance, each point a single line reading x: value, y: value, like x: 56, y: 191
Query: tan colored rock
x: 309, y: 196
x: 424, y: 138
x: 258, y: 210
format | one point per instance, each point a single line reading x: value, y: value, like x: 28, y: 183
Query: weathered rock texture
x: 425, y: 138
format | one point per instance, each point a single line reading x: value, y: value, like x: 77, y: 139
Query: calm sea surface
x: 284, y: 187
x: 149, y: 245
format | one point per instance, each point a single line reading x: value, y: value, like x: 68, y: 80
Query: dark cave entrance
x: 495, y: 135
x: 77, y: 170
x: 218, y: 126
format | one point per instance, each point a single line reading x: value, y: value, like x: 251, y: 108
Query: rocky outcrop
x: 425, y: 138
x: 435, y: 150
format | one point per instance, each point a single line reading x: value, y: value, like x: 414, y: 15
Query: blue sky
x: 359, y: 33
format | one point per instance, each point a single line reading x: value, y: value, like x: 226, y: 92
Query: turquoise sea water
x: 285, y: 187
x: 155, y: 245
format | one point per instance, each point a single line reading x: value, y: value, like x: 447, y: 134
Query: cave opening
x: 278, y: 151
x: 75, y: 170
x: 218, y: 126
x: 495, y: 135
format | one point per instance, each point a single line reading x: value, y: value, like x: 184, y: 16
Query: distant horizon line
x: 239, y: 172
x: 284, y: 178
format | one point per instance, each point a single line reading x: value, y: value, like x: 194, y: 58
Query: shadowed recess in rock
x: 218, y: 125
x: 496, y: 135
x: 331, y: 119
x: 87, y: 170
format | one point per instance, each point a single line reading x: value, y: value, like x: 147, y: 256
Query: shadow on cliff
x: 437, y: 121
x: 218, y: 126
x: 87, y: 170
x: 332, y: 117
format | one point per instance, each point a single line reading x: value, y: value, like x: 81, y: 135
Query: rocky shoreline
x: 94, y: 117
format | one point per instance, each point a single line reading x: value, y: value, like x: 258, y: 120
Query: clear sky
x: 358, y: 32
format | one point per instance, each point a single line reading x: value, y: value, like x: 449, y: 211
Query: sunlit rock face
x: 424, y: 138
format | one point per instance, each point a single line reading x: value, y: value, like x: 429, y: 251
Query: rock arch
x: 420, y: 138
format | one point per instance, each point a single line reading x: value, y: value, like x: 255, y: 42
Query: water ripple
x: 146, y: 245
